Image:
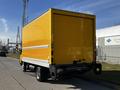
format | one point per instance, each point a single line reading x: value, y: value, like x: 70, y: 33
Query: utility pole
x: 18, y: 42
x: 24, y: 17
x: 25, y: 13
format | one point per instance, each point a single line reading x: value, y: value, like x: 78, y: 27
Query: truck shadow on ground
x: 80, y: 80
x: 109, y: 77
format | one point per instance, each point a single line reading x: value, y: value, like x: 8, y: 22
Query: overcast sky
x: 107, y: 12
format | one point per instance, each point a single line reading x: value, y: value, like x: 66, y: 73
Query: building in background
x: 108, y: 44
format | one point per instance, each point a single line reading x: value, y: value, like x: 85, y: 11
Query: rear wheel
x: 41, y: 74
x: 24, y: 66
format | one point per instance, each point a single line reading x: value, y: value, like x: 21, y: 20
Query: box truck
x: 59, y: 42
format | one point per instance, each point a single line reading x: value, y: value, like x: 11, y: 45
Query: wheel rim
x: 23, y: 67
x: 38, y: 73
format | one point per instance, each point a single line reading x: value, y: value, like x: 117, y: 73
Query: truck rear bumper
x: 57, y: 70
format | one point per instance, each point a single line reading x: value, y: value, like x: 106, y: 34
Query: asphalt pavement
x: 12, y: 78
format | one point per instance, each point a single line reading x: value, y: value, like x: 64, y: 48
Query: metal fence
x: 108, y: 53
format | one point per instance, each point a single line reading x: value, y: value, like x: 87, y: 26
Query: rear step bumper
x: 57, y: 70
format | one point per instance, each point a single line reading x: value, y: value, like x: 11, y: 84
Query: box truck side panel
x: 40, y: 53
x: 37, y: 32
x: 36, y: 39
x: 73, y: 39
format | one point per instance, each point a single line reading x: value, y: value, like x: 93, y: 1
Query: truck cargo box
x: 59, y: 37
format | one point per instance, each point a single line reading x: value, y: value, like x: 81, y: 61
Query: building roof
x: 109, y: 31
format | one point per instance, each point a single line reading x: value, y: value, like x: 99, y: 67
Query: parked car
x: 3, y: 51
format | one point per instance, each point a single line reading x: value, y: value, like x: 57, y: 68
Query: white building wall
x: 108, y: 44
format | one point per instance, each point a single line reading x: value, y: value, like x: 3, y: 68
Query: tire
x: 35, y: 67
x: 41, y: 74
x: 98, y: 69
x: 24, y: 66
x: 27, y: 66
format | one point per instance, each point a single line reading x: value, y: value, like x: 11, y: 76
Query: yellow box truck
x: 60, y: 42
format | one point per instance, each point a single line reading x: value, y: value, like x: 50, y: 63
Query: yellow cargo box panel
x: 36, y: 41
x: 73, y: 37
